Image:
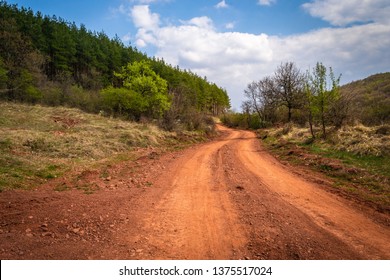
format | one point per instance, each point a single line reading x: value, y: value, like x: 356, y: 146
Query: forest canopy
x: 45, y: 59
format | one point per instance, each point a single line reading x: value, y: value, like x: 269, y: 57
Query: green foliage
x: 48, y: 60
x: 144, y: 93
x: 243, y: 120
x: 139, y: 78
x: 124, y: 101
x: 3, y: 75
x: 321, y: 98
x: 33, y: 93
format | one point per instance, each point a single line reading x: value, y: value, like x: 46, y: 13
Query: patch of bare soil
x: 226, y: 199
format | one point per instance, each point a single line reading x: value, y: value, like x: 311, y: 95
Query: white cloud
x: 341, y: 13
x: 221, y: 5
x: 230, y: 25
x: 120, y: 10
x: 266, y: 2
x: 143, y: 18
x: 233, y: 59
x: 202, y: 22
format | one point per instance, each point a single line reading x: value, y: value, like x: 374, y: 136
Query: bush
x: 383, y: 130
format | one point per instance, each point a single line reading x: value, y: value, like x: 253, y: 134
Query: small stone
x: 44, y: 227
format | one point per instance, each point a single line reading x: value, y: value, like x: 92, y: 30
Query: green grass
x: 353, y: 169
x: 375, y: 164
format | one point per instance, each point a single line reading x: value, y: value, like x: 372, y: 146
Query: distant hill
x: 370, y: 99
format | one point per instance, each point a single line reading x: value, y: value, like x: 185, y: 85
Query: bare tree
x: 247, y: 109
x: 289, y: 87
x: 254, y: 98
x: 261, y: 98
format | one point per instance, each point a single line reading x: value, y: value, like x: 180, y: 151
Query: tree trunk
x: 311, y: 124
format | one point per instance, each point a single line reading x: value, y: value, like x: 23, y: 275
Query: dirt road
x: 226, y: 199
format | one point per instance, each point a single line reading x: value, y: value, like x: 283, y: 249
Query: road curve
x: 230, y: 199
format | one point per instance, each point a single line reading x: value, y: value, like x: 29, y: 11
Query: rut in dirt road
x: 196, y: 219
x: 229, y: 200
x: 225, y: 199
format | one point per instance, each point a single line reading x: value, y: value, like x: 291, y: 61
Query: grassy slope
x: 370, y: 98
x: 39, y: 143
x: 356, y: 158
x: 375, y: 84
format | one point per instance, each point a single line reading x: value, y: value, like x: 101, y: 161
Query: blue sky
x: 234, y: 42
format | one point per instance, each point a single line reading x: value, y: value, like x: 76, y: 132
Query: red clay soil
x: 226, y: 199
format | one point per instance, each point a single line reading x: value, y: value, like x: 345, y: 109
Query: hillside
x: 48, y: 60
x: 41, y: 143
x: 370, y: 99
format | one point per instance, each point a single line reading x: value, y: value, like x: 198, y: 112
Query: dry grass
x: 357, y: 158
x: 358, y: 140
x: 38, y: 143
x: 363, y: 141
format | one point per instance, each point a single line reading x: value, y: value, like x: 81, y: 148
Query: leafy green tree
x: 124, y: 102
x: 320, y: 96
x: 144, y: 93
x: 139, y: 77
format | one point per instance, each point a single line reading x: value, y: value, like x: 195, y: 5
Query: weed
x: 61, y: 188
x: 5, y: 144
x: 49, y: 172
x: 88, y: 189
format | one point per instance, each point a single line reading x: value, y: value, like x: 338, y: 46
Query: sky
x: 235, y: 42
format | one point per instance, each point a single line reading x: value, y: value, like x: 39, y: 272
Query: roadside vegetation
x: 356, y: 158
x: 72, y: 98
x: 307, y: 119
x: 39, y: 143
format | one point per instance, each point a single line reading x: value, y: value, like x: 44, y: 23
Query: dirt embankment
x: 226, y: 199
